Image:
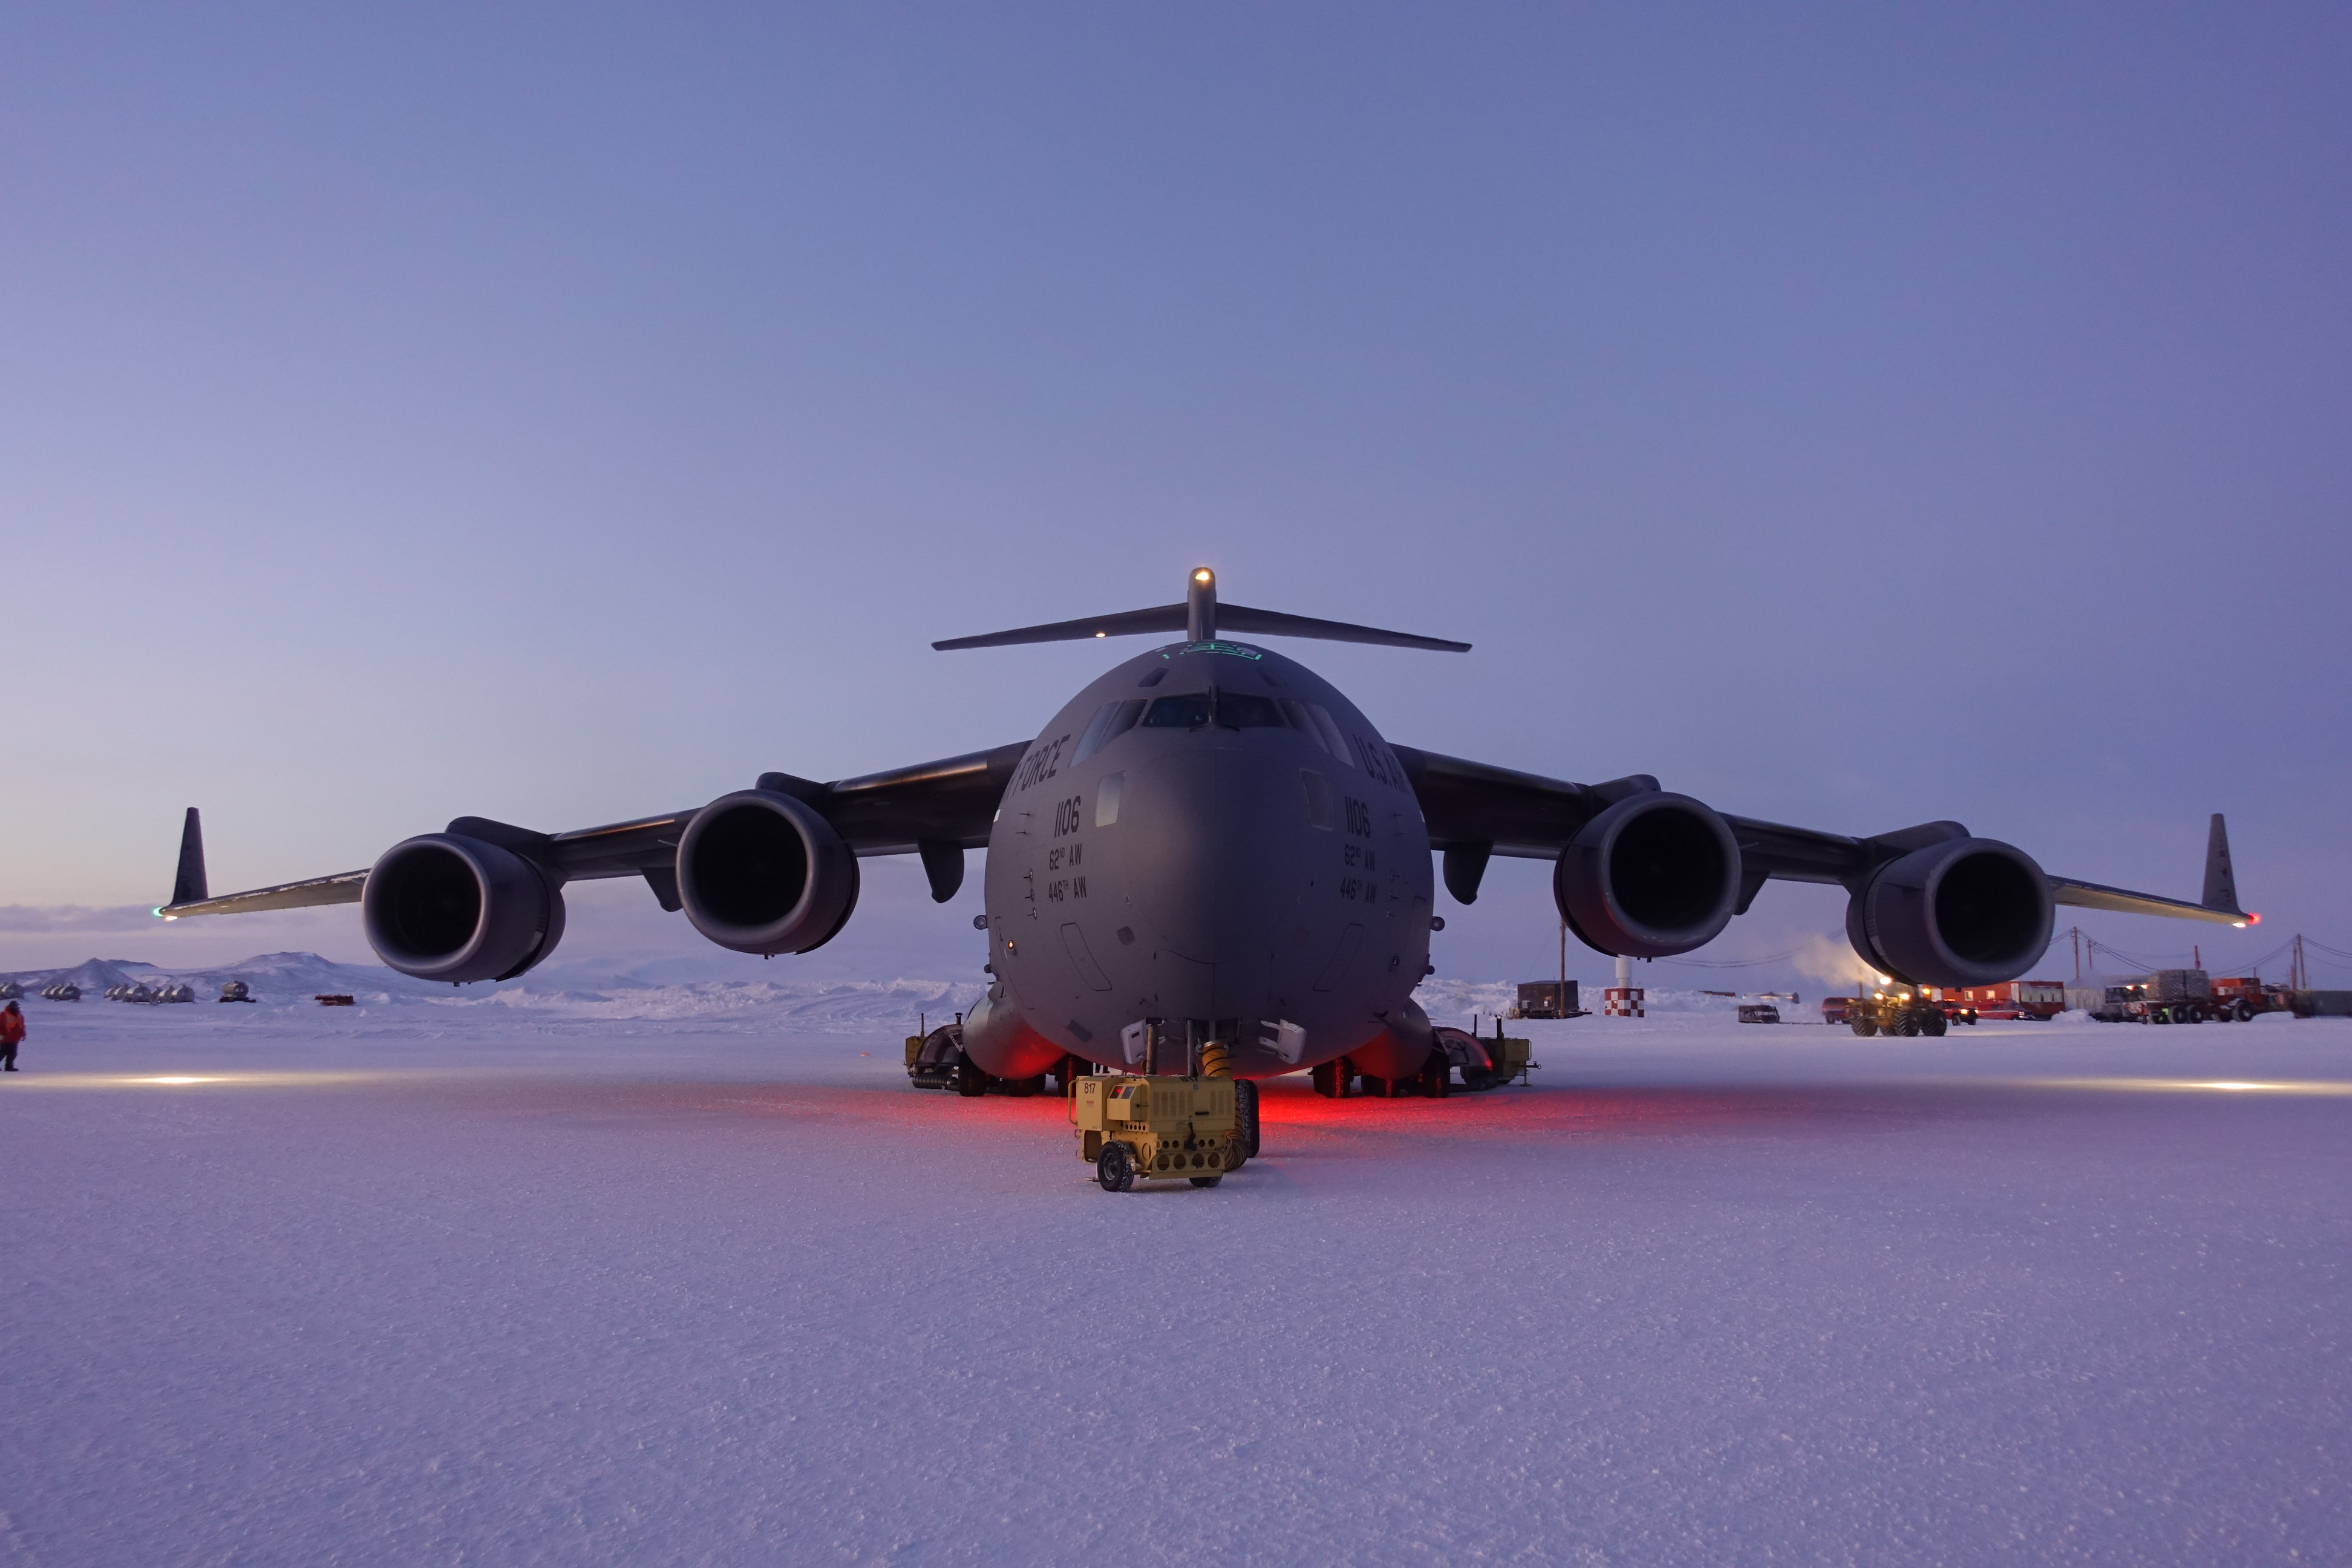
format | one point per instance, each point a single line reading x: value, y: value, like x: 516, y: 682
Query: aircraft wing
x: 937, y: 808
x: 1475, y: 809
x: 342, y: 887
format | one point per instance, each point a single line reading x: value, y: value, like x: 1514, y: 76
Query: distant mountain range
x: 287, y: 979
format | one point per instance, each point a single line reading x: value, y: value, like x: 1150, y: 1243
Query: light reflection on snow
x: 186, y: 1081
x: 2195, y: 1086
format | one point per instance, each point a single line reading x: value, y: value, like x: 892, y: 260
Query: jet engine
x: 1968, y: 911
x: 1655, y: 875
x: 446, y: 907
x: 762, y: 872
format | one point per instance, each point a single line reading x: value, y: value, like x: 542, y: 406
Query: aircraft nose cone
x: 1211, y: 870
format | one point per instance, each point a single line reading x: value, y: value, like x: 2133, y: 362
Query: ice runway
x: 298, y: 1286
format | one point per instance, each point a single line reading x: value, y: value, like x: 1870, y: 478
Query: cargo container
x: 2321, y: 1004
x: 1547, y: 999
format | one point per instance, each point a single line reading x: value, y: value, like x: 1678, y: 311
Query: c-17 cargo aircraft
x: 1208, y: 843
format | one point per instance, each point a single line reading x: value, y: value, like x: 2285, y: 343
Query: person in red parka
x: 12, y: 1029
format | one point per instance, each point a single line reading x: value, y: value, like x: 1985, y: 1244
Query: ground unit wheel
x: 1245, y: 1118
x: 1932, y: 1024
x: 1207, y: 1181
x: 1115, y: 1168
x: 2243, y: 1012
x: 1862, y: 1026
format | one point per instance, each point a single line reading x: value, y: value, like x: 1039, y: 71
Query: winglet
x: 2220, y: 877
x: 189, y: 886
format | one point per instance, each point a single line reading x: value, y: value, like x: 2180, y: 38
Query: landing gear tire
x: 1437, y: 1078
x: 970, y: 1081
x: 1245, y: 1118
x: 1115, y: 1168
x: 1327, y: 1081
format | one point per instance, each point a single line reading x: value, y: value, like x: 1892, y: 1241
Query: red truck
x: 2042, y: 999
x: 2238, y: 998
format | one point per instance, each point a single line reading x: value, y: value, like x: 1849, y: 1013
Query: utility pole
x: 2076, y: 932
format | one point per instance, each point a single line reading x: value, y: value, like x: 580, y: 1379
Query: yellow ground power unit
x: 1156, y: 1128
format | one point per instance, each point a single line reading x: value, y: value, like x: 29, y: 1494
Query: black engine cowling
x: 1653, y: 876
x: 446, y: 907
x: 762, y: 872
x: 1968, y: 911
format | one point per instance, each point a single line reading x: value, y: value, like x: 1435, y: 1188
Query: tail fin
x: 2220, y: 877
x: 189, y: 887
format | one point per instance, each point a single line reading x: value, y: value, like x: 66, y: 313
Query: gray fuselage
x: 1211, y: 840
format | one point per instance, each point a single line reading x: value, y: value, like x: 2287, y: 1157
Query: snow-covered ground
x: 662, y: 1277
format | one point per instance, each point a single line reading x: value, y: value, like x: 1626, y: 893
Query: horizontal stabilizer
x: 1230, y: 619
x: 1129, y: 623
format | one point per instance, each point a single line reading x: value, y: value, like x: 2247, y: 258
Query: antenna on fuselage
x: 1200, y: 617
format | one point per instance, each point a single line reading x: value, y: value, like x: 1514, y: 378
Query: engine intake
x: 446, y: 907
x: 1968, y: 912
x: 761, y: 872
x: 1653, y: 876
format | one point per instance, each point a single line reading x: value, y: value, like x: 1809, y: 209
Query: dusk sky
x: 1853, y: 416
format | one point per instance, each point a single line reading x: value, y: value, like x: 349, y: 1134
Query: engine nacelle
x: 1655, y: 875
x: 446, y: 907
x: 762, y: 872
x: 1968, y: 911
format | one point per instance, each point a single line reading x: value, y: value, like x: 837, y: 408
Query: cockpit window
x: 1329, y: 731
x: 1237, y: 710
x: 1111, y: 721
x: 1295, y: 711
x: 1188, y: 711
